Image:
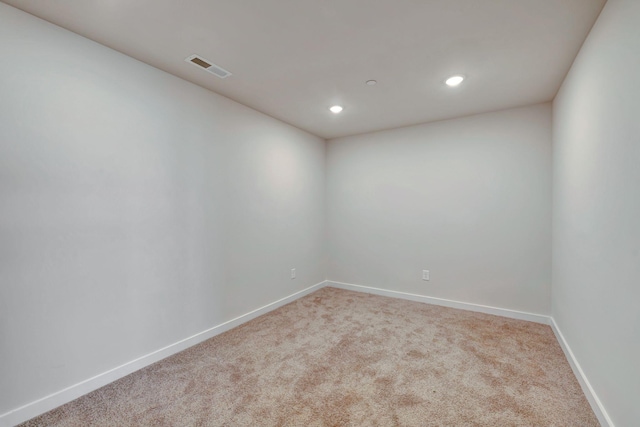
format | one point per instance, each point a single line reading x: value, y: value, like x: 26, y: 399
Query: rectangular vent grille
x: 208, y: 66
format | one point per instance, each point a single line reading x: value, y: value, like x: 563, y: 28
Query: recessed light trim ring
x: 454, y: 80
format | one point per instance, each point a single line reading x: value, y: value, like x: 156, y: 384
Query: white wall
x: 596, y: 221
x: 136, y: 209
x: 468, y: 199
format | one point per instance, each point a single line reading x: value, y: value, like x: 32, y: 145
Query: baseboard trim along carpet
x: 512, y: 314
x: 68, y: 394
x: 591, y: 395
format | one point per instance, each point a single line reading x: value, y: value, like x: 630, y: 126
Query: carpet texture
x: 341, y: 358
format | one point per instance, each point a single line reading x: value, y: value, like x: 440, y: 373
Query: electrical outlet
x: 425, y: 274
x: 293, y: 273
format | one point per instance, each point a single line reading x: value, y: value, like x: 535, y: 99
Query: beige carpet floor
x: 340, y: 358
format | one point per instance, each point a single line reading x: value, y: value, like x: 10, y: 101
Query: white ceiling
x: 292, y: 59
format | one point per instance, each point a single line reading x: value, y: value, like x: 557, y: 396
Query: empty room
x: 320, y: 213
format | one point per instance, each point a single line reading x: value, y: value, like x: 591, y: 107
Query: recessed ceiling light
x: 335, y: 109
x: 371, y: 82
x: 454, y: 80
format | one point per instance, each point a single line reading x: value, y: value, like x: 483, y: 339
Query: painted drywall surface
x: 468, y: 199
x: 596, y: 220
x: 136, y: 209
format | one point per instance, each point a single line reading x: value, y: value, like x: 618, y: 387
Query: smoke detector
x: 208, y: 66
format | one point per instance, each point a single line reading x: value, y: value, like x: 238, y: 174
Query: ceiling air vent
x: 207, y: 65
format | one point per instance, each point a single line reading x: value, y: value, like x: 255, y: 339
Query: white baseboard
x: 590, y: 394
x: 47, y: 403
x: 68, y: 394
x: 504, y: 312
